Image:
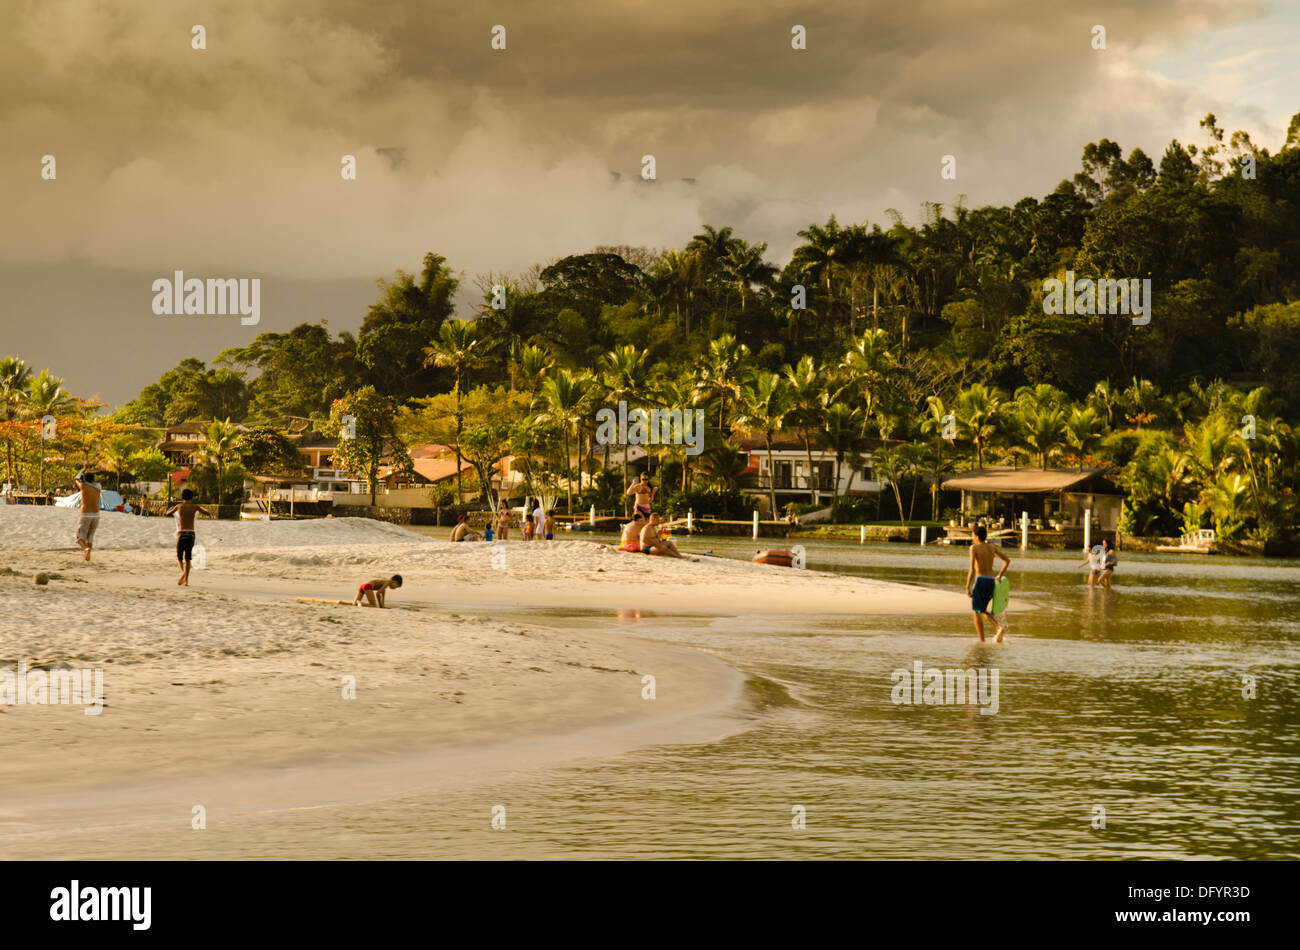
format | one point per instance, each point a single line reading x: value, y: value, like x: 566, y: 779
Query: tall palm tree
x: 533, y: 363
x: 936, y: 422
x: 460, y: 349
x: 818, y: 258
x: 679, y: 393
x: 218, y: 447
x: 809, y: 396
x: 684, y: 272
x: 14, y: 374
x: 1084, y: 428
x: 865, y: 371
x: 118, y: 458
x: 765, y: 405
x: 623, y: 372
x: 840, y: 426
x: 723, y: 371
x: 1042, y: 429
x: 45, y: 396
x: 978, y: 410
x: 564, y: 397
x: 747, y: 269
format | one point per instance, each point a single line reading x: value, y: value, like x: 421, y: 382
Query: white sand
x: 211, y: 687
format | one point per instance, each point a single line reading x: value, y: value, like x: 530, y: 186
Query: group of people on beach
x: 539, y: 524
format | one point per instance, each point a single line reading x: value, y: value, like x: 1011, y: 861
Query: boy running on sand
x: 981, y: 558
x: 88, y: 521
x: 373, y: 591
x: 185, y: 513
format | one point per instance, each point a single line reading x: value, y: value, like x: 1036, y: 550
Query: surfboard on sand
x: 1001, y: 594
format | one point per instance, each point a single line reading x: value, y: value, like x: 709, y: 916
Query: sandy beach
x: 230, y: 693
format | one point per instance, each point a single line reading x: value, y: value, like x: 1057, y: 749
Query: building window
x: 825, y: 476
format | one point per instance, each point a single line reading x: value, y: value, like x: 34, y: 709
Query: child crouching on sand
x: 373, y: 591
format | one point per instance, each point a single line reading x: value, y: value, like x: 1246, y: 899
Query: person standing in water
x: 88, y: 520
x: 185, y: 513
x: 981, y: 581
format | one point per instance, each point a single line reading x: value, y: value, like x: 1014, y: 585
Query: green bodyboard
x: 1001, y: 594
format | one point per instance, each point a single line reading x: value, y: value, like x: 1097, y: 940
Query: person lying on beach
x: 88, y: 520
x: 373, y: 591
x: 981, y: 591
x: 550, y: 525
x: 651, y: 543
x: 1094, y: 560
x: 463, y: 530
x: 631, y: 540
x: 185, y: 513
x: 644, y: 492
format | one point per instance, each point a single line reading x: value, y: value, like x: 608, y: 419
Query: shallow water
x: 1129, y: 701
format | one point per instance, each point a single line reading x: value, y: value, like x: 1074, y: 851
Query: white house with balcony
x: 788, y: 472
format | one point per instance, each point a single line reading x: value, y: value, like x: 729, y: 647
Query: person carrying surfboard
x: 981, y: 581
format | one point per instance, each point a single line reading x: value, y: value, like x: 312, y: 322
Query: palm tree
x: 840, y: 425
x: 725, y: 366
x: 937, y: 422
x: 45, y: 397
x: 809, y: 395
x: 459, y: 349
x: 765, y: 404
x: 1084, y: 429
x: 1226, y: 499
x: 978, y: 410
x: 673, y: 394
x: 684, y: 273
x: 564, y: 396
x: 865, y: 369
x: 533, y: 363
x: 1042, y: 429
x: 118, y: 457
x: 747, y: 268
x: 218, y: 446
x: 14, y: 375
x: 623, y: 372
x: 818, y: 258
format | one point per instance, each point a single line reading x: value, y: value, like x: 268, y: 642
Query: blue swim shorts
x: 981, y: 594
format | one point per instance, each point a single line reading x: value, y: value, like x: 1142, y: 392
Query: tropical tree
x: 725, y: 367
x: 765, y: 405
x: 375, y: 440
x: 841, y: 427
x: 865, y: 371
x: 978, y: 412
x: 564, y: 401
x: 460, y: 349
x: 218, y: 449
x: 14, y: 376
x: 807, y: 386
x: 623, y: 373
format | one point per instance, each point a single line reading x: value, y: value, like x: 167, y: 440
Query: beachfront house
x: 181, y: 443
x: 1055, y: 498
x: 788, y: 472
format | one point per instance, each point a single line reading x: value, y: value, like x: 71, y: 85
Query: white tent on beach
x: 108, y: 500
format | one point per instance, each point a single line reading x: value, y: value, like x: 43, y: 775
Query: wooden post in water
x: 591, y: 516
x: 1087, y: 529
x: 755, y: 524
x: 690, y: 519
x: 862, y: 535
x: 923, y: 527
x: 1024, y: 530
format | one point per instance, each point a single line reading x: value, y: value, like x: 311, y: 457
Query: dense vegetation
x: 903, y: 327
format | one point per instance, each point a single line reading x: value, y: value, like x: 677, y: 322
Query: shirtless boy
x: 651, y: 543
x: 981, y: 573
x: 631, y: 540
x: 462, y: 531
x: 373, y: 591
x: 185, y: 513
x: 88, y: 520
x: 550, y: 525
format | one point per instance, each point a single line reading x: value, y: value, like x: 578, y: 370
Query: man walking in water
x: 88, y: 521
x: 185, y: 513
x: 981, y: 573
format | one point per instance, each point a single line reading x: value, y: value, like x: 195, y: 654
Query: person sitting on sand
x: 373, y: 591
x: 651, y: 543
x: 1094, y: 560
x: 185, y: 513
x: 463, y: 530
x: 550, y: 525
x: 503, y: 522
x: 645, y: 493
x: 981, y: 559
x: 88, y: 520
x: 631, y: 540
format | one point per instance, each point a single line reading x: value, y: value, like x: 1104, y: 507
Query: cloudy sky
x: 225, y: 162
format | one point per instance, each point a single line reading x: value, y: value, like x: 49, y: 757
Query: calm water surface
x: 1129, y: 702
